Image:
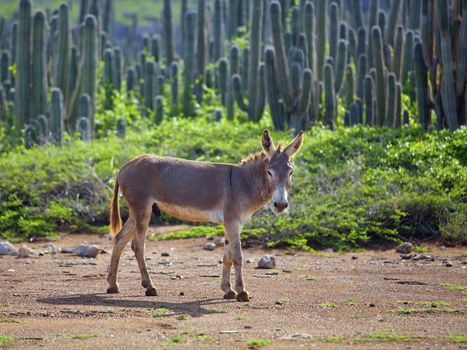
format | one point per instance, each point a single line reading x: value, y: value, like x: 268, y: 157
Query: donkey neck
x: 254, y: 170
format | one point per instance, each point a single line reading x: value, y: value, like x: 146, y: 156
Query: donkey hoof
x: 243, y: 296
x: 230, y: 295
x: 112, y: 290
x: 151, y: 292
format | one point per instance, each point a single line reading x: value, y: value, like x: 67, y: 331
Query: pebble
x: 209, y: 246
x: 448, y: 263
x: 267, y: 262
x: 177, y: 277
x: 24, y: 252
x: 52, y: 248
x: 372, y: 305
x: 219, y: 241
x: 354, y: 257
x: 6, y: 248
x: 404, y: 248
x: 165, y: 254
x: 249, y: 261
x: 87, y: 250
x: 181, y: 294
x: 248, y: 327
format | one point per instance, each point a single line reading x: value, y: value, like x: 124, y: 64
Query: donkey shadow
x: 193, y: 308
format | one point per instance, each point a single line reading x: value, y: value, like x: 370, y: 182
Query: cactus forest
x: 76, y: 74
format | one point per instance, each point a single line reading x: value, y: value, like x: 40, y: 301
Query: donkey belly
x: 192, y: 214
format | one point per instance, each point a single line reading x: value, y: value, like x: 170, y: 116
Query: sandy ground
x: 342, y: 300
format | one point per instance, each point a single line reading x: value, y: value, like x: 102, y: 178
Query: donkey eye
x: 269, y: 173
x: 291, y: 173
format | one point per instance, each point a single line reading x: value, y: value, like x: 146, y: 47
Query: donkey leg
x: 119, y: 243
x: 227, y: 265
x: 233, y: 232
x: 138, y: 246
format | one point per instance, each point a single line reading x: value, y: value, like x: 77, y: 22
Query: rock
x: 267, y: 262
x: 209, y: 246
x: 165, y: 254
x: 181, y: 294
x: 87, y: 250
x: 354, y: 257
x: 219, y: 241
x: 24, y: 252
x: 329, y: 250
x: 52, y: 248
x: 404, y: 248
x: 407, y: 256
x: 372, y: 305
x: 6, y: 248
x: 250, y: 261
x: 448, y: 263
x: 247, y: 327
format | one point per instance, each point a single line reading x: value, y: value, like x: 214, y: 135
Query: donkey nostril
x: 286, y: 205
x: 275, y: 204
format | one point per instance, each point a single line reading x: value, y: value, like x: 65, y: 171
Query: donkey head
x: 279, y: 169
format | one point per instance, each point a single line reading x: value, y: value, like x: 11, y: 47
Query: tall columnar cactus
x: 56, y: 116
x: 158, y: 109
x: 361, y: 41
x: 368, y: 101
x: 329, y: 96
x: 63, y: 52
x: 189, y: 50
x: 427, y: 30
x: 373, y: 10
x: 39, y: 66
x: 108, y: 78
x: 408, y: 57
x: 14, y: 42
x: 74, y: 71
x: 415, y: 11
x: 168, y: 33
x: 88, y: 66
x: 174, y: 83
x: 202, y: 49
x: 362, y: 67
x: 150, y: 82
x: 23, y: 68
x: 341, y: 62
x: 321, y: 29
x: 5, y: 60
x: 349, y: 85
x: 421, y: 84
x: 447, y: 91
x: 393, y: 21
x: 461, y: 60
x: 391, y: 101
x: 121, y: 127
x: 218, y: 31
x: 256, y: 96
x: 108, y: 15
x: 224, y: 79
x: 333, y: 29
x: 398, y: 57
x: 398, y: 121
x: 357, y: 13
x: 276, y: 106
x: 309, y: 29
x: 3, y: 105
x: 380, y: 81
x: 156, y: 47
x: 131, y: 80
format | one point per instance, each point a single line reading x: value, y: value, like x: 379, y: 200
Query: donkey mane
x: 253, y: 157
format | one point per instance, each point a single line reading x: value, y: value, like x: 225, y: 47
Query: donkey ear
x: 295, y: 145
x: 268, y: 144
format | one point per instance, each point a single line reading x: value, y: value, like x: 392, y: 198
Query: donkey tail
x: 115, y: 219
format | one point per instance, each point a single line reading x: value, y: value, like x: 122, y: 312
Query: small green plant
x: 6, y: 340
x: 458, y: 338
x: 9, y: 320
x: 181, y: 317
x: 352, y: 301
x: 4, y: 304
x: 425, y: 310
x: 80, y: 336
x: 192, y: 232
x: 327, y: 304
x: 240, y: 318
x: 205, y: 337
x: 258, y: 343
x: 455, y: 287
x: 386, y: 336
x: 335, y: 339
x: 162, y: 311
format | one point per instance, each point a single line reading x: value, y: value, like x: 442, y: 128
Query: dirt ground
x: 369, y: 300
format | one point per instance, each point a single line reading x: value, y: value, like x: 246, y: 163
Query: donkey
x: 226, y: 194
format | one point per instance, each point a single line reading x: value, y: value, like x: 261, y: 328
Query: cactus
x: 83, y: 10
x: 218, y: 31
x: 357, y: 13
x: 189, y: 50
x: 5, y: 60
x: 14, y: 42
x: 380, y: 81
x: 329, y: 96
x: 158, y: 109
x: 39, y: 66
x: 150, y: 85
x: 415, y: 10
x: 341, y: 62
x: 3, y: 105
x: 56, y: 116
x: 407, y: 60
x: 321, y: 27
x: 43, y: 124
x: 156, y: 47
x: 398, y: 121
x: 421, y: 84
x: 394, y: 19
x: 276, y: 106
x: 447, y: 91
x: 64, y: 53
x: 362, y: 68
x: 108, y: 13
x: 121, y: 127
x: 368, y: 100
x: 308, y: 28
x: 334, y: 29
x: 83, y: 126
x: 74, y: 71
x: 131, y: 80
x: 23, y: 54
x: 168, y: 33
x: 201, y: 49
x: 391, y: 101
x: 406, y: 119
x: 108, y: 77
x: 349, y: 85
x: 354, y: 114
x: 217, y: 116
x: 382, y: 21
x: 373, y: 14
x: 398, y: 57
x: 255, y: 84
x: 174, y: 83
x: 88, y: 66
x: 224, y: 79
x: 361, y: 42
